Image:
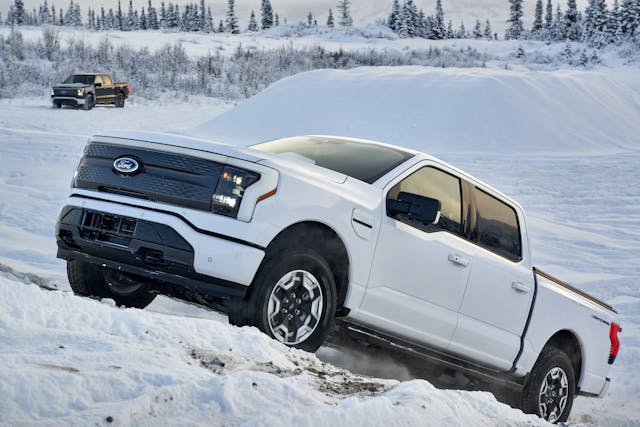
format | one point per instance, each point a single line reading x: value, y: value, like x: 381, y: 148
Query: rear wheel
x: 125, y: 289
x: 550, y: 390
x: 120, y: 100
x: 293, y: 300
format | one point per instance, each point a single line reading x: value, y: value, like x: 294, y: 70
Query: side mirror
x: 98, y: 85
x: 415, y: 207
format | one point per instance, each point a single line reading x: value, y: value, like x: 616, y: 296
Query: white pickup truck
x: 289, y: 234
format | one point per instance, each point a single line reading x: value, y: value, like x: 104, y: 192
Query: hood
x: 70, y: 86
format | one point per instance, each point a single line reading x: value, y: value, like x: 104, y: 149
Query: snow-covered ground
x: 67, y: 360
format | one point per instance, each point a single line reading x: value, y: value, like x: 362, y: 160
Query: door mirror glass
x: 415, y: 207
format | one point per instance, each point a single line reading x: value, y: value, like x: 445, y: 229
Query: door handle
x: 459, y: 260
x: 520, y: 287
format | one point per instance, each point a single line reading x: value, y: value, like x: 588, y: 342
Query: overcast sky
x: 364, y: 11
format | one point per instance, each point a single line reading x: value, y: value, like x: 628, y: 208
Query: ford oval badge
x: 126, y: 165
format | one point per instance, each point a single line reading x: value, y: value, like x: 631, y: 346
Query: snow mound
x: 444, y: 110
x: 74, y: 361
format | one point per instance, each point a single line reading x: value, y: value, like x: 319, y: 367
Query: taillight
x: 128, y: 88
x: 615, y: 343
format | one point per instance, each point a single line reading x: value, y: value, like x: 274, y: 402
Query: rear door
x: 108, y: 92
x: 419, y: 272
x: 500, y: 289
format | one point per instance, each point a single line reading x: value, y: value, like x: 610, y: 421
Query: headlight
x: 230, y: 189
x: 52, y: 92
x: 80, y: 92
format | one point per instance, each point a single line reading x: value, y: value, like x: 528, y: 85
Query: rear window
x: 363, y: 161
x: 497, y: 225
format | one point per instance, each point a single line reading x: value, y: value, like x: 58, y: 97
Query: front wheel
x: 550, y: 390
x: 89, y: 102
x: 93, y: 280
x: 293, y: 300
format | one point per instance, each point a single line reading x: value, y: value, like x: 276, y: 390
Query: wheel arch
x: 327, y: 242
x: 568, y: 342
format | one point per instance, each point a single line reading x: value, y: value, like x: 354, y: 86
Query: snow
x: 563, y: 143
x: 444, y: 110
x: 379, y: 37
x: 74, y: 361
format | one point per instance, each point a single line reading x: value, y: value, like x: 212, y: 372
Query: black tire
x: 120, y: 100
x: 57, y: 104
x: 552, y: 365
x: 91, y: 280
x: 89, y: 102
x: 298, y: 266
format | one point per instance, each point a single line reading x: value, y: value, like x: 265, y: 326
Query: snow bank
x: 73, y: 361
x: 444, y: 110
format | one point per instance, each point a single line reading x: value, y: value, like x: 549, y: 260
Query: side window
x: 434, y: 183
x: 97, y: 80
x: 106, y: 80
x: 497, y: 227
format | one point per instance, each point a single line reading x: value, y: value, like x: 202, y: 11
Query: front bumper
x: 67, y: 100
x: 156, y: 247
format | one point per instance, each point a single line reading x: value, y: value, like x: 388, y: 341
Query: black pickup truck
x: 87, y: 90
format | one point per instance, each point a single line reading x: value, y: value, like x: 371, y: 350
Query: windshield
x: 86, y: 79
x: 360, y: 160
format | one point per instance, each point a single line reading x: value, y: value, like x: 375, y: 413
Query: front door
x: 419, y: 271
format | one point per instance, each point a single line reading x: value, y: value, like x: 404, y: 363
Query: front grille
x: 163, y: 177
x: 109, y: 228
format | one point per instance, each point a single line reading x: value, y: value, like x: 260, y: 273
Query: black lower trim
x: 212, y: 287
x: 435, y: 357
x: 139, y: 247
x: 183, y: 219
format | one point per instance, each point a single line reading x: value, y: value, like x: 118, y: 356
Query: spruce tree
x: 231, y: 21
x: 267, y: 14
x: 450, y: 33
x: 462, y: 31
x: 143, y: 20
x: 330, y: 22
x: 344, y: 13
x: 119, y: 19
x: 409, y: 23
x: 253, y: 24
x: 536, y: 28
x: 152, y: 17
x: 557, y: 29
x: 630, y: 14
x: 394, y: 17
x: 487, y: 33
x: 515, y: 30
x: 128, y: 23
x: 572, y: 25
x: 163, y: 16
x: 596, y: 22
x: 203, y: 16
x: 439, y: 30
x: 19, y: 14
x: 477, y: 30
x: 548, y: 17
x: 221, y: 27
x: 276, y: 20
x: 615, y: 25
x: 208, y: 21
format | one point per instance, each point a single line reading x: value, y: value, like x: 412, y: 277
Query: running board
x: 500, y: 378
